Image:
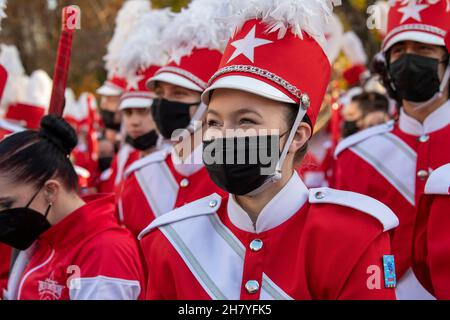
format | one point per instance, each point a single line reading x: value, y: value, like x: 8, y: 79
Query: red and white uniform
x: 324, y: 239
x: 391, y: 163
x: 86, y: 256
x: 431, y: 251
x: 112, y: 178
x: 159, y: 183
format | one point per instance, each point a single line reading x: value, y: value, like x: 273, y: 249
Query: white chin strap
x: 438, y: 95
x: 278, y: 170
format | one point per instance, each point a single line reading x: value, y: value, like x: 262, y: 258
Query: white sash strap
x: 393, y: 159
x: 217, y: 263
x: 409, y: 288
x: 159, y: 187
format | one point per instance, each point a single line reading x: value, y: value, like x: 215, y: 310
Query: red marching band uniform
x: 306, y: 244
x: 393, y: 162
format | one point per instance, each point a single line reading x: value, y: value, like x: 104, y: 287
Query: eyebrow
x: 4, y: 199
x: 239, y: 112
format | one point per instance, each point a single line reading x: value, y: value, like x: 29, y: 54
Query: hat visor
x: 247, y: 84
x: 135, y: 103
x: 422, y: 37
x: 174, y: 79
x: 108, y: 91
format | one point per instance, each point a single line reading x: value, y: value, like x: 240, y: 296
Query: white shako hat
x: 142, y: 55
x: 126, y: 20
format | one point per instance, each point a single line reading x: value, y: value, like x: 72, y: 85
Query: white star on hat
x: 247, y: 45
x: 133, y: 82
x: 412, y: 10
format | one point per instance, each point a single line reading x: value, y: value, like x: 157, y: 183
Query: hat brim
x: 422, y: 37
x: 108, y: 91
x: 174, y: 79
x: 247, y: 84
x: 135, y: 103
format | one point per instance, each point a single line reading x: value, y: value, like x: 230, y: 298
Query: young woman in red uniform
x: 271, y: 237
x: 72, y: 248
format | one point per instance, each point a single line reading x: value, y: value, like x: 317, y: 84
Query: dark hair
x: 37, y: 156
x: 371, y: 101
x: 292, y: 112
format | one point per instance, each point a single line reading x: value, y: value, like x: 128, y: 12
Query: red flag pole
x: 70, y: 22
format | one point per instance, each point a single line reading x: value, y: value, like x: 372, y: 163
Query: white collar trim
x: 280, y: 209
x: 437, y: 120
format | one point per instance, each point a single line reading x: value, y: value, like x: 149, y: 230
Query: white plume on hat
x: 334, y: 32
x: 310, y: 16
x: 144, y: 45
x: 38, y: 90
x: 353, y: 49
x: 2, y: 11
x: 10, y: 60
x: 201, y: 25
x: 126, y: 20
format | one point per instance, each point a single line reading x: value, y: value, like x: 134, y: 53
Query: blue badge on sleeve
x: 390, y: 279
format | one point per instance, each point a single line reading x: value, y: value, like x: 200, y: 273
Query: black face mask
x: 20, y: 227
x: 108, y: 118
x: 241, y: 178
x: 104, y: 163
x: 144, y: 142
x: 349, y: 128
x: 415, y: 77
x: 170, y: 116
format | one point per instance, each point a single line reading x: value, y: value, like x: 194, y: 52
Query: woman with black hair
x: 72, y: 248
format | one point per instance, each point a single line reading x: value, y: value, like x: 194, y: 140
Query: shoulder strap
x: 358, y: 202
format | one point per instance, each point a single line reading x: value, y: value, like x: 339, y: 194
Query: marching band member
x: 165, y: 180
x: 73, y: 248
x: 111, y: 92
x: 271, y: 237
x: 431, y: 248
x: 392, y: 162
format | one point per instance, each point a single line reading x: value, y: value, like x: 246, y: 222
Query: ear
x: 52, y: 188
x: 302, y: 135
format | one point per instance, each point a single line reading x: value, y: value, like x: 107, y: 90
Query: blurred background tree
x: 33, y: 26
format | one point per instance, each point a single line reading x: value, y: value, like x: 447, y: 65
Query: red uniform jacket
x: 391, y: 163
x: 306, y: 244
x: 431, y: 254
x: 5, y: 261
x: 86, y: 256
x: 154, y: 186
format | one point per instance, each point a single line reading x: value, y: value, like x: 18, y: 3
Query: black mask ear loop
x: 34, y: 197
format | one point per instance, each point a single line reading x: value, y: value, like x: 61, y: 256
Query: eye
x: 6, y: 205
x: 244, y: 121
x: 211, y: 123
